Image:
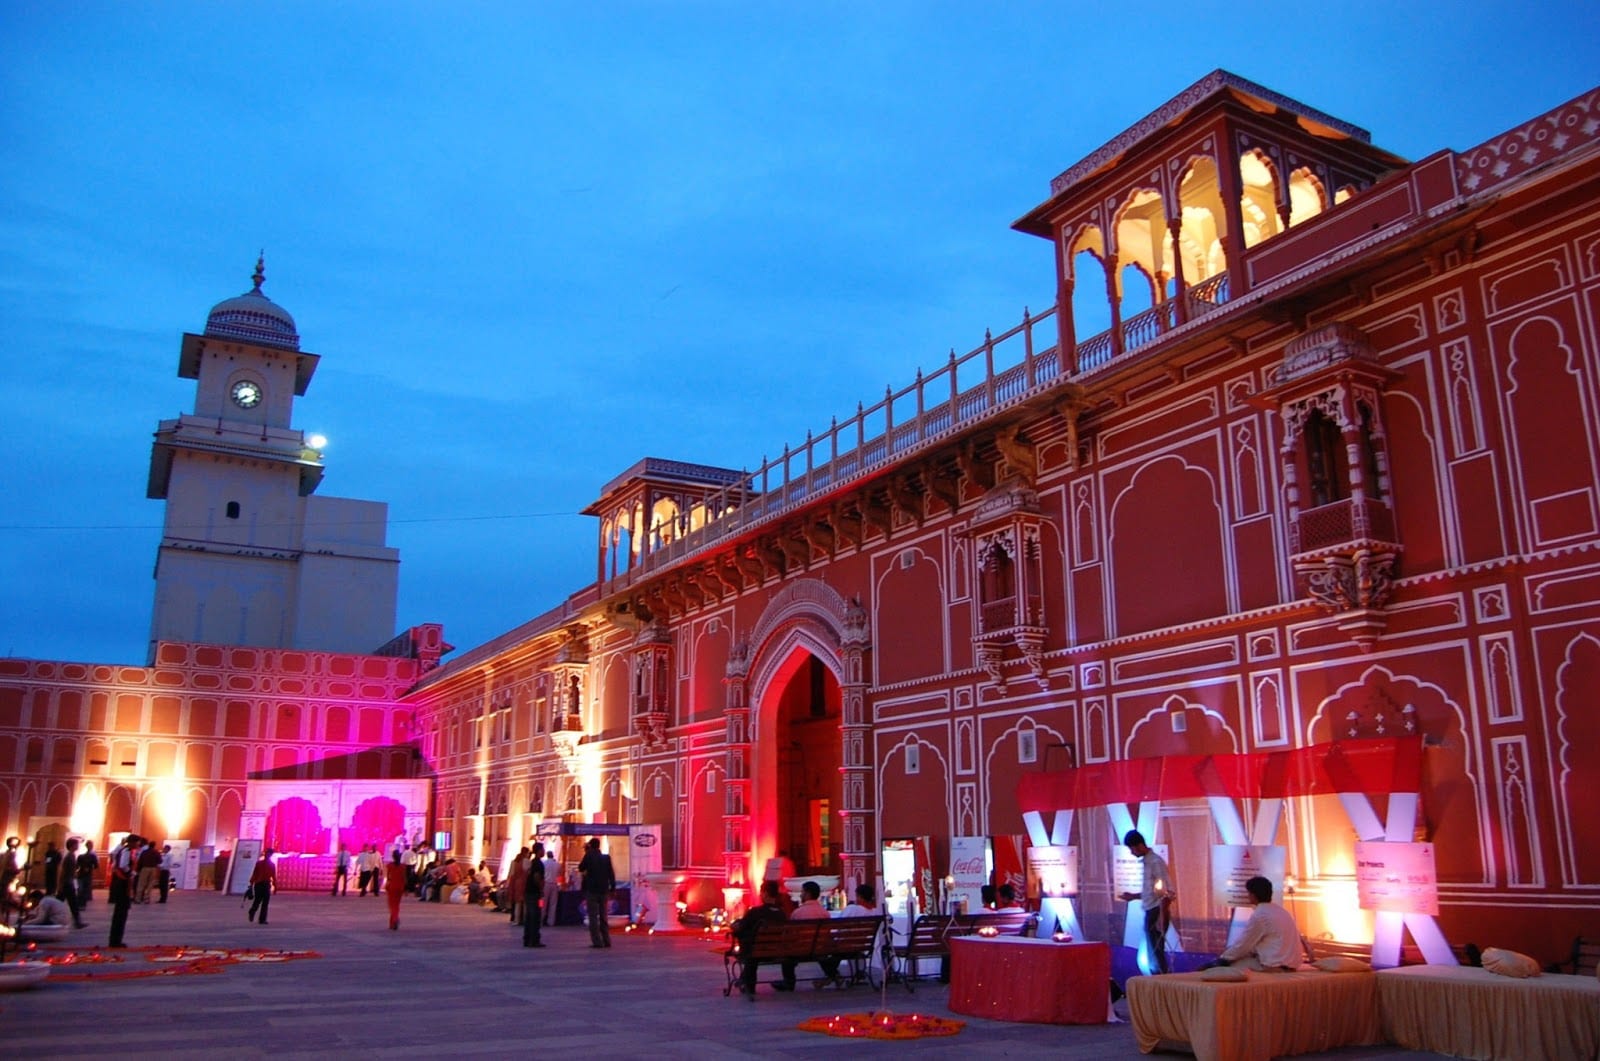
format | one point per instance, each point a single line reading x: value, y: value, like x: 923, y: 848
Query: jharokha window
x: 1005, y: 530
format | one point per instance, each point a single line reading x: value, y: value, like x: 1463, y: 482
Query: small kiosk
x: 567, y: 839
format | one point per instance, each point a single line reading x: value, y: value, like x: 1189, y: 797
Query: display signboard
x: 179, y: 862
x: 1056, y: 870
x: 969, y: 869
x: 1127, y: 869
x: 1233, y: 864
x: 1396, y: 878
x: 644, y: 850
x: 241, y: 865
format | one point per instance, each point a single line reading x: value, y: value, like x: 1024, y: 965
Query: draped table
x: 1034, y: 980
x: 1269, y: 1015
x: 1471, y: 1012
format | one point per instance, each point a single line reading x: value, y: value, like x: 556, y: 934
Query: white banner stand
x: 1390, y: 926
x: 1059, y: 909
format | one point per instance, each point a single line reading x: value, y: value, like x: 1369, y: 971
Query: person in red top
x: 262, y: 880
x: 394, y: 888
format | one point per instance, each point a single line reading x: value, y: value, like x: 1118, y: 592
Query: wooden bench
x: 847, y: 939
x: 931, y: 934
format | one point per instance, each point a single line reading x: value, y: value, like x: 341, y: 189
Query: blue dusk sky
x: 535, y: 242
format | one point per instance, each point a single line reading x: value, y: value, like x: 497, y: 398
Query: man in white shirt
x: 411, y: 858
x: 48, y: 910
x: 170, y: 864
x: 1155, y: 897
x: 552, y: 887
x: 810, y: 909
x: 866, y: 903
x: 1271, y: 939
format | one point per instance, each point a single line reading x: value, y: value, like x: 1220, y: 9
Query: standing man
x: 10, y: 863
x: 517, y: 887
x: 533, y: 897
x: 1155, y: 899
x: 88, y: 866
x: 598, y: 880
x: 169, y: 865
x: 67, y: 885
x: 367, y: 865
x: 52, y: 867
x: 341, y: 871
x: 262, y: 880
x: 124, y: 864
x: 552, y: 887
x: 149, y: 872
x: 408, y: 860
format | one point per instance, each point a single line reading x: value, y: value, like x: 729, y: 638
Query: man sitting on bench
x: 810, y: 909
x: 744, y: 930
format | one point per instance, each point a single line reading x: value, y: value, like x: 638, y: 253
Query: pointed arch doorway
x: 799, y: 788
x: 797, y: 728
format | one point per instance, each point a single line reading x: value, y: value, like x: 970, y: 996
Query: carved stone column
x: 855, y: 760
x: 736, y: 776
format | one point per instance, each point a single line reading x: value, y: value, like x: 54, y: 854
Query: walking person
x: 262, y: 880
x: 67, y: 884
x: 533, y: 892
x: 124, y: 864
x: 1156, y: 897
x: 598, y: 880
x: 341, y: 871
x: 395, y: 881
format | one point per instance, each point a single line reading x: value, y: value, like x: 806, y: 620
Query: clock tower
x: 249, y: 555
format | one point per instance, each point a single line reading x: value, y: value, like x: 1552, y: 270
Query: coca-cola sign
x: 969, y: 870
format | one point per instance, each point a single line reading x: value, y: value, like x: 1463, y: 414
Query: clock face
x: 246, y: 394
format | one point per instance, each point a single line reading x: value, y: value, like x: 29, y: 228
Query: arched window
x: 1306, y: 197
x: 1200, y: 237
x: 1145, y: 271
x: 1091, y: 308
x: 1258, y: 198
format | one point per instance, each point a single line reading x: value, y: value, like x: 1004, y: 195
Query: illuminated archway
x: 795, y: 697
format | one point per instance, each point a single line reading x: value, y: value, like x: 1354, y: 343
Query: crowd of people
x: 138, y: 872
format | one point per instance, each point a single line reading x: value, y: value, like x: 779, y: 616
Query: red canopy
x: 1373, y: 767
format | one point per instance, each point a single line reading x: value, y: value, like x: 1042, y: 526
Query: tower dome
x: 253, y: 317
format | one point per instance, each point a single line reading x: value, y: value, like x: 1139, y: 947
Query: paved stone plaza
x: 455, y: 981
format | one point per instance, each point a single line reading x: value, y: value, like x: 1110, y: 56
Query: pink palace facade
x: 1307, y: 452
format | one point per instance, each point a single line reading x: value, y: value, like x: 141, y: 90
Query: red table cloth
x: 1034, y: 980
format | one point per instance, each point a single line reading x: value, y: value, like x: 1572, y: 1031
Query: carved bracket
x: 1355, y: 586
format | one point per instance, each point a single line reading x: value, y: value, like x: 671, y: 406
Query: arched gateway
x: 797, y: 770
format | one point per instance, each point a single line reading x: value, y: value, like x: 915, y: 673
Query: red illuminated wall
x: 193, y: 728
